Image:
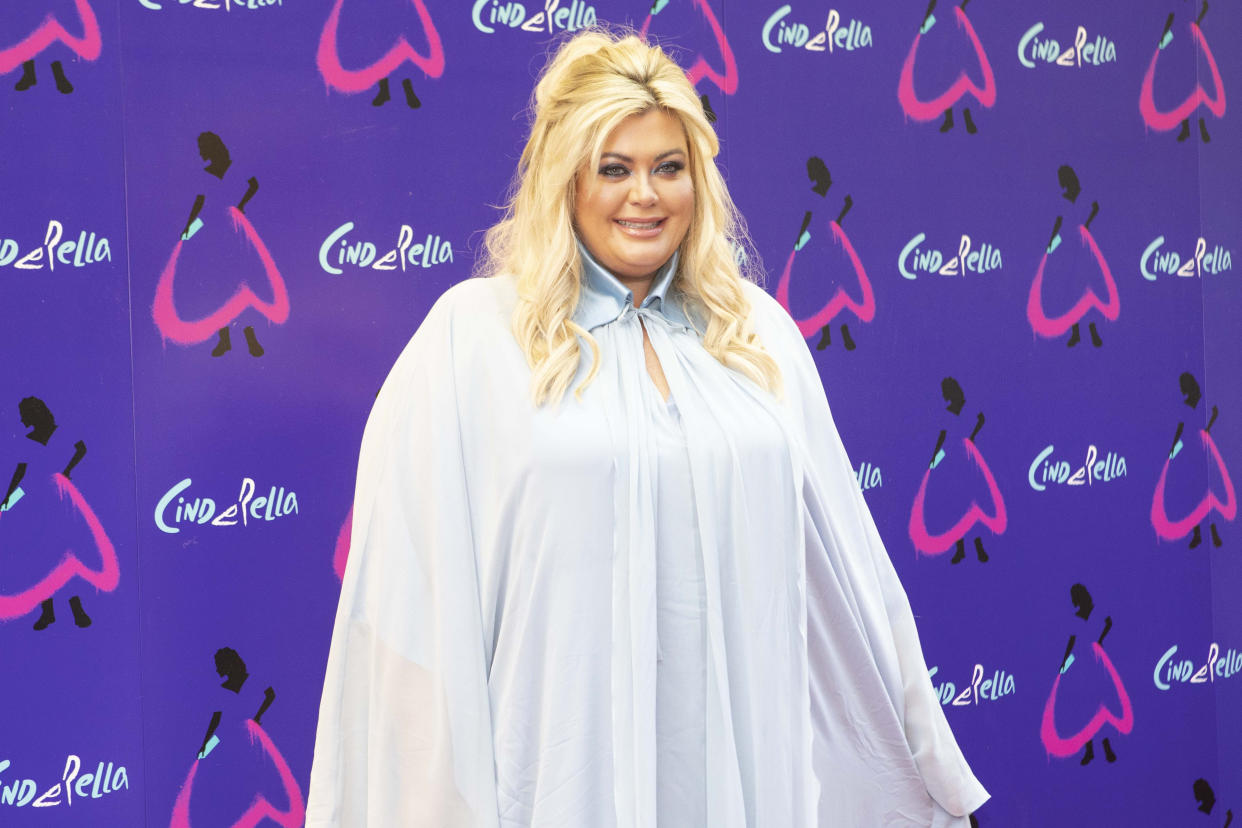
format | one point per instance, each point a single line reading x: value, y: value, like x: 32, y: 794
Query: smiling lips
x: 639, y: 229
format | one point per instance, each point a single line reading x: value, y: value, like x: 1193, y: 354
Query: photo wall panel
x: 1007, y: 231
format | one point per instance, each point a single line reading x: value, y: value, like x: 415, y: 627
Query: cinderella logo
x: 1189, y: 469
x: 950, y: 469
x: 930, y: 108
x: 1165, y: 120
x: 844, y: 277
x: 42, y: 36
x: 1046, y: 325
x: 384, y: 62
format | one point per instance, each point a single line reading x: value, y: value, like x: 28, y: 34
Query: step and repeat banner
x: 1010, y: 232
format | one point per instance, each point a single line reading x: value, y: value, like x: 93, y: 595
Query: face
x: 634, y: 210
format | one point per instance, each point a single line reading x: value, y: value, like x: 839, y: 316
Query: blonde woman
x: 609, y: 565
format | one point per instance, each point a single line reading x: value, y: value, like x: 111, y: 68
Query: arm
x: 211, y: 729
x: 877, y: 602
x: 1108, y: 625
x: 79, y: 451
x: 1065, y: 659
x: 199, y: 200
x: 250, y: 191
x: 18, y: 474
x: 405, y: 733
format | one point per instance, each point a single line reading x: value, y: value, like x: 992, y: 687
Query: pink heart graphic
x: 357, y: 80
x: 1164, y: 121
x: 1060, y: 746
x: 864, y: 309
x: 105, y: 578
x: 927, y: 110
x: 1055, y: 326
x: 929, y: 544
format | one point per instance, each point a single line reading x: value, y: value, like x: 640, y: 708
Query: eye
x: 670, y: 168
x: 613, y: 171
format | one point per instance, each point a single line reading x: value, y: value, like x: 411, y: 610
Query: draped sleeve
x: 878, y: 601
x: 405, y: 732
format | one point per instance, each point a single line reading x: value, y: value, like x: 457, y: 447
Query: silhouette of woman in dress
x: 383, y: 68
x: 927, y: 110
x: 191, y: 331
x: 1182, y: 113
x: 1170, y: 528
x: 824, y: 269
x: 36, y: 416
x: 724, y: 75
x: 997, y: 520
x: 230, y: 666
x: 1058, y: 745
x: 86, y: 46
x: 1047, y: 326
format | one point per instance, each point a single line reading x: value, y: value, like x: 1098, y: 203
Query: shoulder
x: 772, y: 322
x: 476, y: 301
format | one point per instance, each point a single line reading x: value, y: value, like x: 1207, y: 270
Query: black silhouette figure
x: 36, y: 416
x: 1191, y: 394
x: 212, y: 150
x: 230, y: 666
x: 28, y: 80
x: 1084, y: 605
x: 1206, y: 798
x: 1184, y: 133
x: 1070, y: 190
x: 817, y: 172
x: 947, y: 123
x: 382, y: 95
x: 952, y: 393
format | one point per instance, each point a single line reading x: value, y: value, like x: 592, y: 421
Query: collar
x: 603, y: 299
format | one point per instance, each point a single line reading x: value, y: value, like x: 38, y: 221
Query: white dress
x: 516, y: 645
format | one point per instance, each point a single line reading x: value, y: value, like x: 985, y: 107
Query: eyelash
x: 619, y: 170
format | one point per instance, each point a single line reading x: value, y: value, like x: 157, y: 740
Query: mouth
x: 633, y: 227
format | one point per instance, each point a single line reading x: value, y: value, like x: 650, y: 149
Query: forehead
x: 649, y: 133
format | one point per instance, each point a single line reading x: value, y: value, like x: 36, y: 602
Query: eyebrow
x: 629, y: 160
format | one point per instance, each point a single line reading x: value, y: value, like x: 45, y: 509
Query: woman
x: 658, y: 599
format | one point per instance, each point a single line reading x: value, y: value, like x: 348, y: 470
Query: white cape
x: 493, y: 661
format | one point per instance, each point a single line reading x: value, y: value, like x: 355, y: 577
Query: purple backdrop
x: 193, y: 490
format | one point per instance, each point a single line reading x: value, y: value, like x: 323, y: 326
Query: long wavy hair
x: 592, y: 83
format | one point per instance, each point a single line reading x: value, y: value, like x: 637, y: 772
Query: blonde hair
x: 592, y: 83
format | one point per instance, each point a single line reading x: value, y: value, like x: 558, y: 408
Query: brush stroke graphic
x: 1163, y: 121
x: 943, y: 103
x: 50, y: 31
x: 376, y: 73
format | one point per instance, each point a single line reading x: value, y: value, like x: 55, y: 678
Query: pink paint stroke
x: 930, y: 544
x: 350, y: 81
x: 105, y: 578
x: 864, y: 309
x: 1059, y: 746
x: 928, y: 110
x: 726, y: 82
x: 87, y: 47
x: 190, y: 332
x: 260, y: 809
x: 1170, y: 529
x: 1164, y: 121
x: 1047, y: 326
x: 340, y: 553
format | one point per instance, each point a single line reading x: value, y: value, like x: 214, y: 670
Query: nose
x: 642, y: 192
